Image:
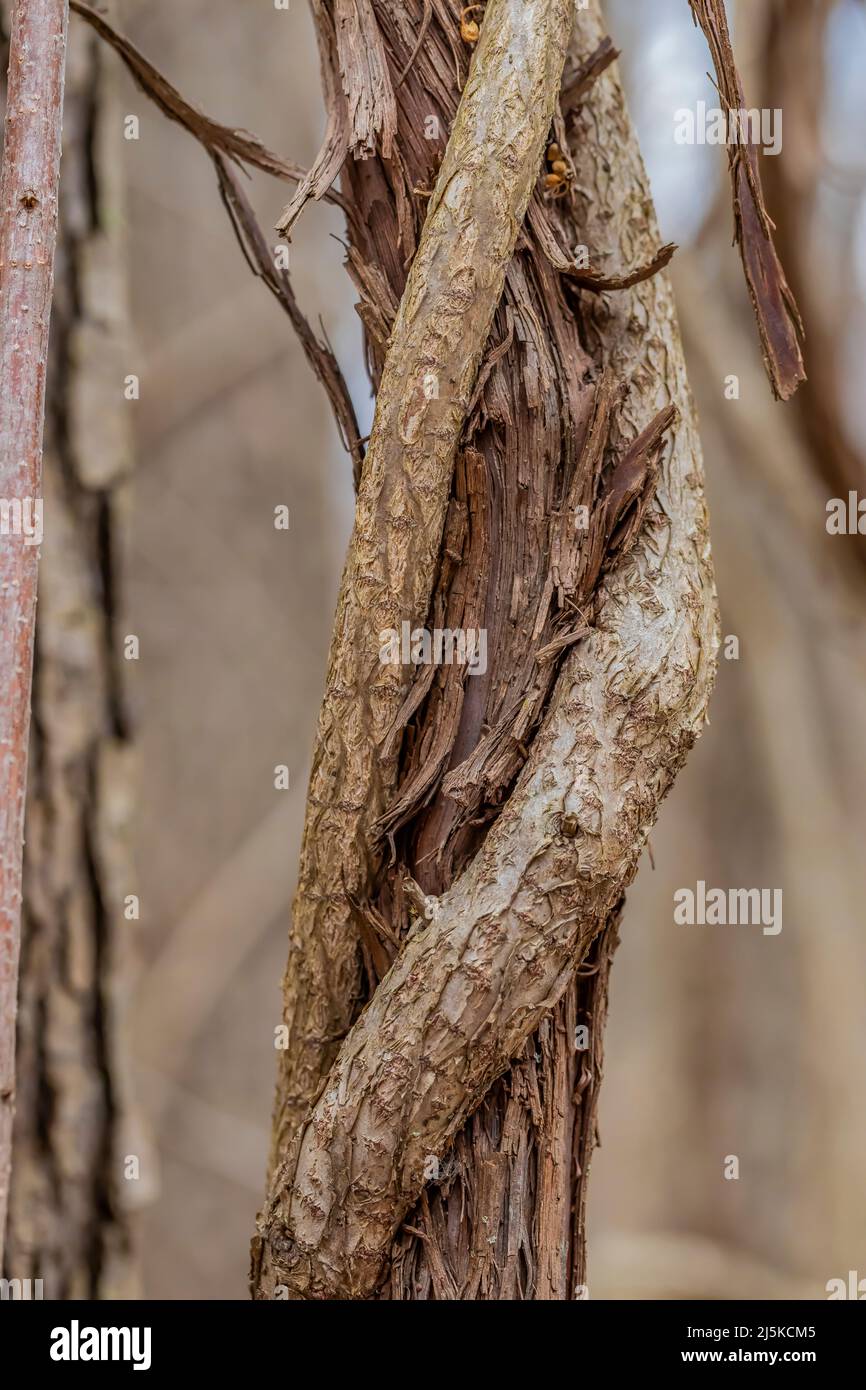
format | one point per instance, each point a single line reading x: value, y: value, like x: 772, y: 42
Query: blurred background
x: 721, y: 1042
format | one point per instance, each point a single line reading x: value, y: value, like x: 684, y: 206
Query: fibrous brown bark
x: 569, y: 386
x: 28, y: 227
x: 68, y: 1219
x: 453, y: 288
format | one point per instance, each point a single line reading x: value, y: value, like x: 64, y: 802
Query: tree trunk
x: 29, y: 184
x: 68, y: 1223
x: 522, y: 796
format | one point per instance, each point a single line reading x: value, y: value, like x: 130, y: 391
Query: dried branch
x: 227, y: 147
x: 238, y: 145
x: 28, y: 231
x: 261, y: 261
x: 779, y: 322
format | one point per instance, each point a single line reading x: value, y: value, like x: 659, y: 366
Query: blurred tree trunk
x: 793, y: 78
x: 771, y: 799
x: 67, y: 1221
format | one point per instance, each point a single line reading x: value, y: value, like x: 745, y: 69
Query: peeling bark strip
x: 366, y: 84
x: 28, y: 229
x: 471, y: 985
x: 779, y: 322
x: 473, y: 220
x: 261, y: 261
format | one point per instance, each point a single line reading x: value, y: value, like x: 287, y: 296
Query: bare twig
x: 262, y: 263
x: 28, y: 230
x: 226, y: 148
x: 238, y: 145
x: 776, y: 312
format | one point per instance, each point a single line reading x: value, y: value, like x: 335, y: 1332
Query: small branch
x: 228, y: 148
x: 28, y: 232
x: 578, y: 86
x: 776, y: 312
x: 588, y: 277
x: 237, y: 145
x: 261, y: 262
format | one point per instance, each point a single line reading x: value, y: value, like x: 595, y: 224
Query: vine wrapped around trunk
x: 604, y: 653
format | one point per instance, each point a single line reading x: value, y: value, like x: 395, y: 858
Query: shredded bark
x: 366, y: 79
x: 425, y: 386
x: 588, y: 277
x: 779, y: 323
x: 547, y: 424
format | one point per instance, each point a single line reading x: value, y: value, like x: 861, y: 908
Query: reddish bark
x: 28, y: 227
